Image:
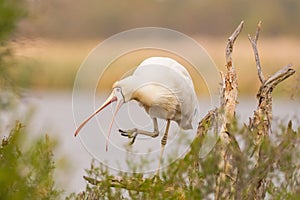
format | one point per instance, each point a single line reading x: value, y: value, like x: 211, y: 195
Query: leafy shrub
x: 26, y: 172
x: 194, y: 178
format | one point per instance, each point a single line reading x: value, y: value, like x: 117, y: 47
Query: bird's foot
x: 130, y: 134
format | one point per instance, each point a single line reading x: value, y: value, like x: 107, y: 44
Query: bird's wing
x: 176, y: 79
x: 170, y: 63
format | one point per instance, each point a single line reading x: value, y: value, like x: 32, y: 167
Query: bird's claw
x: 123, y: 133
x: 130, y: 134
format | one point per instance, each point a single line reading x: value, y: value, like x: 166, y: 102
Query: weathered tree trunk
x: 228, y: 171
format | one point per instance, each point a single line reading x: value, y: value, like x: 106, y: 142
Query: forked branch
x: 261, y: 121
x: 260, y: 124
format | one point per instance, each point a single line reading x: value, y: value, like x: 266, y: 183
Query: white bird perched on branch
x: 166, y: 91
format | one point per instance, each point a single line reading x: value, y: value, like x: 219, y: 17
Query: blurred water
x: 54, y: 116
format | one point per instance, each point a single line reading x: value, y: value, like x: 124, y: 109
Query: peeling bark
x: 228, y: 171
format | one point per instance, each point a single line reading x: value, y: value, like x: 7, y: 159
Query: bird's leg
x: 132, y: 133
x: 163, y: 144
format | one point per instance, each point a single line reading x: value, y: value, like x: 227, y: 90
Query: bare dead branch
x: 264, y: 108
x: 263, y: 115
x: 230, y: 43
x: 229, y: 89
x: 128, y: 184
x: 260, y: 124
x: 254, y: 46
x: 135, y: 184
x: 228, y: 171
x: 280, y: 76
x: 257, y: 31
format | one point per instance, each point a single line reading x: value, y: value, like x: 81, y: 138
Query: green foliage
x: 10, y: 12
x: 26, y: 168
x: 194, y: 178
x: 26, y: 172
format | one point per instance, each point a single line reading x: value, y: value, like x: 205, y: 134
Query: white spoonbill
x: 166, y: 91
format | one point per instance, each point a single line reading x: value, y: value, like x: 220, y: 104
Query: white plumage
x: 164, y: 88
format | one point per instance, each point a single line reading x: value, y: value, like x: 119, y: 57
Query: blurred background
x: 53, y: 37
